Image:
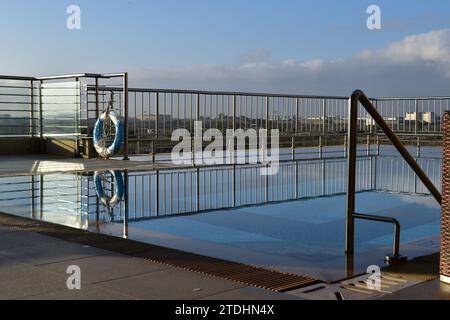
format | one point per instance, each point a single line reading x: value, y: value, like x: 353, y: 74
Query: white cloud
x: 415, y: 65
x: 432, y: 47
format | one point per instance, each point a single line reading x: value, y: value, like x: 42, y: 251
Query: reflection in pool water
x: 100, y: 179
x: 293, y: 221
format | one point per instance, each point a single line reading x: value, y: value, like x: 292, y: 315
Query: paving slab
x: 172, y: 284
x: 431, y: 290
x: 108, y: 267
x: 22, y: 280
x: 55, y: 251
x: 15, y: 239
x: 87, y: 292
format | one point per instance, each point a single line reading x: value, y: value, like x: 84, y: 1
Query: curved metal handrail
x: 360, y: 97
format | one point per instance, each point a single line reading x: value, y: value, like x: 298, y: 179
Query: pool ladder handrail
x: 359, y: 97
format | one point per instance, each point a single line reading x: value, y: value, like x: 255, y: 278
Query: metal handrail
x: 360, y: 97
x: 395, y: 222
x: 220, y: 93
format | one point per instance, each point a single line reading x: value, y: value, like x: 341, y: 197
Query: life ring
x: 99, y: 140
x: 119, y: 190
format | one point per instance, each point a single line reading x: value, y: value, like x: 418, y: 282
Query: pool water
x: 294, y: 221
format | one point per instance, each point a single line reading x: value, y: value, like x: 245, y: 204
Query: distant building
x: 426, y: 117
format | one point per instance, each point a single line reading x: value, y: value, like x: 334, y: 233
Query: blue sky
x: 173, y: 35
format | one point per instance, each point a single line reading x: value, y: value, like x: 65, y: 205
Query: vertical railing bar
x: 31, y: 112
x: 125, y: 104
x: 41, y: 127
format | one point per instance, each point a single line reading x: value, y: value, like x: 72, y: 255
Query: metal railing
x: 303, y: 121
x: 357, y: 98
x: 155, y: 113
x: 18, y: 117
x: 67, y: 106
x: 51, y: 107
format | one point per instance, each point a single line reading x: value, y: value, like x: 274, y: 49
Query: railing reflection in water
x: 71, y: 199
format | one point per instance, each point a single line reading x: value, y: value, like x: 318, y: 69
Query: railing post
x: 320, y: 147
x: 234, y: 112
x: 345, y: 146
x: 234, y: 186
x: 126, y: 213
x: 31, y: 131
x: 41, y: 121
x: 324, y: 114
x: 351, y: 183
x: 372, y: 125
x: 297, y: 115
x: 267, y: 184
x: 293, y: 148
x: 375, y: 173
x: 324, y: 177
x: 198, y: 189
x: 97, y: 106
x: 418, y: 147
x: 125, y: 105
x: 157, y: 116
x: 33, y: 198
x: 378, y: 145
x: 157, y: 206
x: 193, y: 152
x: 416, y: 123
x: 153, y: 151
x: 31, y: 108
x: 368, y: 145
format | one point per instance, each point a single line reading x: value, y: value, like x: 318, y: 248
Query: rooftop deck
x: 34, y: 265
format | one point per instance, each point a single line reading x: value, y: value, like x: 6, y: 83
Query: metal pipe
x: 226, y: 93
x: 41, y: 129
x: 3, y: 77
x: 97, y: 107
x: 351, y: 183
x: 157, y: 116
x: 395, y: 222
x: 356, y: 98
x: 126, y: 213
x: 31, y: 114
x: 125, y: 104
x: 361, y: 97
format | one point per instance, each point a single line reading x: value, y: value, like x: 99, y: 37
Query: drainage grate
x: 245, y: 274
x: 237, y: 272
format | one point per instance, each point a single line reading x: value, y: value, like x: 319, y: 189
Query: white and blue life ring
x: 99, y: 139
x: 119, y: 189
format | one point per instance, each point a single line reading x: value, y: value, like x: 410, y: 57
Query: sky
x: 285, y: 46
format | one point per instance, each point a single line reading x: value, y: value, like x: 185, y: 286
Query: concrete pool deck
x: 33, y: 266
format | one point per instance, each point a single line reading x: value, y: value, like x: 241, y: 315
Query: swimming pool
x: 293, y: 221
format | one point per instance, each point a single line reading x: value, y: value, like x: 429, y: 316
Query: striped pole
x: 445, y: 232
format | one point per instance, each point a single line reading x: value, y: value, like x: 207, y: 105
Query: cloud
x: 257, y: 55
x: 416, y: 65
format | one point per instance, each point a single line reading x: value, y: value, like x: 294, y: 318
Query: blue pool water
x: 293, y: 221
